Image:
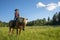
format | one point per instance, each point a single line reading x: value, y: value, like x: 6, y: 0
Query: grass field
x: 32, y: 33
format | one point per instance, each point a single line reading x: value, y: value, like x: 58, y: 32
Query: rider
x: 16, y: 14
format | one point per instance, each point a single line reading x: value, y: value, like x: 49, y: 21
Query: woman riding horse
x: 17, y: 16
x: 15, y: 23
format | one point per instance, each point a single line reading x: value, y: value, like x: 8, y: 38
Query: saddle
x: 20, y: 20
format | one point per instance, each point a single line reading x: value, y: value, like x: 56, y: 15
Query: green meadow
x: 32, y: 33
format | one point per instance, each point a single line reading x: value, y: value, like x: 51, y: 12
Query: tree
x: 44, y: 21
x: 48, y: 19
x: 59, y: 18
x: 55, y: 19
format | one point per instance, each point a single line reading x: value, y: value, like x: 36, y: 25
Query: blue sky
x: 31, y: 9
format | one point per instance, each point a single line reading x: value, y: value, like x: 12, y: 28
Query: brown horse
x: 17, y: 25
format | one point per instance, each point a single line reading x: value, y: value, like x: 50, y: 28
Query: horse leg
x: 10, y: 31
x: 17, y: 31
x: 23, y: 27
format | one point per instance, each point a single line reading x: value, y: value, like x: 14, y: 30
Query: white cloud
x: 40, y: 4
x: 49, y: 7
x: 58, y: 3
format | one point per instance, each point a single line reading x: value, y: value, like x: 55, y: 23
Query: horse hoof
x: 23, y: 29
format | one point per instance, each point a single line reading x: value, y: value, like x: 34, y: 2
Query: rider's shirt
x: 16, y: 15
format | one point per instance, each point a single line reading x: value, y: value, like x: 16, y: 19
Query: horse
x: 17, y: 25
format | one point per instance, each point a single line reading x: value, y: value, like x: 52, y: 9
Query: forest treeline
x: 54, y: 21
x: 40, y: 22
x: 3, y: 24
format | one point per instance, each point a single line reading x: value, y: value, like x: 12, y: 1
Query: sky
x: 30, y: 9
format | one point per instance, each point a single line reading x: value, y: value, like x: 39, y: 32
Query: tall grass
x: 32, y: 33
